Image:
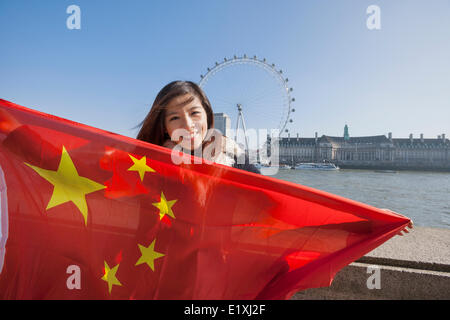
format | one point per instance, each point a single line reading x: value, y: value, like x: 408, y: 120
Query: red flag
x: 88, y: 214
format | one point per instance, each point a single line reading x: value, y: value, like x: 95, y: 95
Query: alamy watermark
x: 74, y: 280
x: 374, y: 280
x: 74, y: 20
x: 373, y: 21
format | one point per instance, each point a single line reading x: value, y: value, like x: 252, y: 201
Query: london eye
x: 252, y: 92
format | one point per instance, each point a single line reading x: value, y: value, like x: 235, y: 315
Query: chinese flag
x: 89, y: 214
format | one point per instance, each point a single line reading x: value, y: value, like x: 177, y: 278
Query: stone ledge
x: 422, y: 248
x: 395, y: 283
x: 392, y: 166
x: 413, y: 266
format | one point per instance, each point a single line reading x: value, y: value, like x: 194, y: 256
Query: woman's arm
x: 26, y: 141
x: 8, y: 122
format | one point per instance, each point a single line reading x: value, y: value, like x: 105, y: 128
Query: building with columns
x: 378, y: 152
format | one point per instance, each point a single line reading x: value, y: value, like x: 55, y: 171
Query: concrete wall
x: 379, y: 165
x: 413, y: 266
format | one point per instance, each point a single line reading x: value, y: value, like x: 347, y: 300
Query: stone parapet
x: 413, y: 266
x: 441, y: 167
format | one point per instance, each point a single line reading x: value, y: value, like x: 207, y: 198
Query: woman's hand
x: 7, y: 122
x: 410, y: 225
x: 169, y: 144
x: 405, y: 231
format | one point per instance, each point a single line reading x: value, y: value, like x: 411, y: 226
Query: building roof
x: 368, y: 139
x: 418, y: 142
x: 365, y: 140
x: 221, y: 114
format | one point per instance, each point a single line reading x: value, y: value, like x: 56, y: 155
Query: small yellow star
x: 140, y: 165
x: 110, y: 277
x: 68, y: 185
x: 164, y: 206
x: 149, y: 255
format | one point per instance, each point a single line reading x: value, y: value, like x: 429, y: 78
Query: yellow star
x: 68, y: 185
x: 164, y: 206
x: 148, y: 255
x: 110, y: 277
x: 140, y: 166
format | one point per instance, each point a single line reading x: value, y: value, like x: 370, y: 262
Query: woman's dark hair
x: 153, y: 127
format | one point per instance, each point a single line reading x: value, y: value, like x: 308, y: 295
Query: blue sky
x: 396, y: 79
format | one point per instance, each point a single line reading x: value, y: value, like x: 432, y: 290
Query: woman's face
x: 189, y: 116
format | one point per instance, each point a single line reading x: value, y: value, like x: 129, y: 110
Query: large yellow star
x: 68, y: 185
x: 110, y: 276
x: 164, y: 206
x: 140, y: 165
x: 148, y: 255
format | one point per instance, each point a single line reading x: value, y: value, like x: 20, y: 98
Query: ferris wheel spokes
x: 257, y: 101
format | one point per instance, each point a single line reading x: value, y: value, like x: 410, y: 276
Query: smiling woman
x: 181, y: 116
x: 186, y: 112
x: 174, y: 100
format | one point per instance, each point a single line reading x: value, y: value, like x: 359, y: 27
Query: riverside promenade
x: 413, y: 266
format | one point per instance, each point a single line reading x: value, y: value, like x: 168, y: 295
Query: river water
x: 423, y: 197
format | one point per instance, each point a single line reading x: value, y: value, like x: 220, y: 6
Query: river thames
x: 423, y: 197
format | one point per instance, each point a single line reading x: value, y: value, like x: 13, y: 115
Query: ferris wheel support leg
x: 245, y: 131
x: 237, y: 129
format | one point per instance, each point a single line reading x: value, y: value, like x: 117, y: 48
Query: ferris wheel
x: 251, y: 92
